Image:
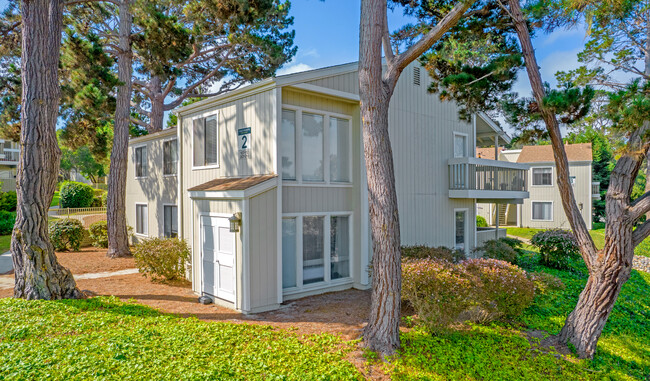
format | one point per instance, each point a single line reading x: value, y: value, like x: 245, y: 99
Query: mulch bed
x: 92, y: 260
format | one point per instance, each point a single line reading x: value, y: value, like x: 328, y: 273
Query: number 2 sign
x: 244, y: 140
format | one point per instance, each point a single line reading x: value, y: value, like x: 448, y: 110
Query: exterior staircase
x: 502, y: 214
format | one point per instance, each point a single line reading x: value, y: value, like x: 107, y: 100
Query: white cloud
x: 294, y: 68
x: 560, y: 34
x: 312, y: 53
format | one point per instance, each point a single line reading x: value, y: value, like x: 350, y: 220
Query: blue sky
x: 327, y: 33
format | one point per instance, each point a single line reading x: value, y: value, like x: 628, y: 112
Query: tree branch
x: 640, y: 233
x: 139, y: 122
x: 416, y: 50
x: 640, y: 206
x: 385, y: 40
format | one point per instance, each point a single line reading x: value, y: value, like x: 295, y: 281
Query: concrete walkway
x: 6, y: 263
x: 7, y: 281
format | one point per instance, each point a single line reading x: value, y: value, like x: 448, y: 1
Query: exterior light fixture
x: 235, y: 221
x: 580, y: 205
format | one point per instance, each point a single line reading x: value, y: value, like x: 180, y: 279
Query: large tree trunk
x: 37, y: 272
x: 118, y: 239
x: 157, y: 106
x: 609, y: 268
x: 382, y: 332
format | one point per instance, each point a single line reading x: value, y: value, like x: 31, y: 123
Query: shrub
x: 8, y: 201
x: 104, y: 196
x: 7, y: 222
x: 557, y: 247
x: 99, y: 234
x: 98, y: 199
x: 162, y: 258
x: 505, y: 290
x: 76, y: 195
x: 438, y: 291
x: 503, y: 249
x: 481, y: 222
x: 66, y: 234
x: 440, y: 252
x: 545, y: 283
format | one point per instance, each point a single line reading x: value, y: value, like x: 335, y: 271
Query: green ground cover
x: 5, y: 243
x: 55, y: 200
x: 104, y: 338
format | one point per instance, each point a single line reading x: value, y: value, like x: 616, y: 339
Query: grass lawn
x: 598, y: 235
x: 55, y: 200
x: 501, y: 352
x: 5, y: 243
x: 104, y: 338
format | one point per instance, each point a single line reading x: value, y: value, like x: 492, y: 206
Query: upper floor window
x: 315, y: 147
x: 460, y: 145
x: 141, y: 161
x: 543, y: 176
x: 205, y: 141
x: 170, y: 157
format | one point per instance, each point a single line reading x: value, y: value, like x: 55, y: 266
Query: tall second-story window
x: 205, y: 146
x: 170, y: 157
x: 312, y: 147
x: 141, y: 161
x: 288, y: 141
x: 339, y: 149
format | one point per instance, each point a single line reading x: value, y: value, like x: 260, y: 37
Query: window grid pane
x: 170, y: 158
x: 312, y: 147
x: 211, y: 141
x: 288, y: 139
x: 141, y: 223
x: 340, y: 247
x: 141, y: 162
x: 313, y: 253
x: 289, y: 253
x: 339, y: 150
x: 542, y: 176
x: 542, y: 211
x: 170, y: 221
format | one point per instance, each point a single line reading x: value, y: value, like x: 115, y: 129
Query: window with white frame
x: 542, y: 176
x: 205, y: 141
x: 141, y: 161
x: 288, y: 142
x: 542, y: 210
x: 170, y: 221
x: 315, y: 250
x: 170, y: 157
x: 315, y: 147
x: 141, y: 219
x: 460, y: 145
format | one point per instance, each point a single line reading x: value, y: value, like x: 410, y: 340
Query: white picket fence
x: 61, y: 212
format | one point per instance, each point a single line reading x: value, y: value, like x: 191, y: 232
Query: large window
x: 460, y: 242
x: 205, y: 149
x: 141, y: 219
x: 340, y: 247
x: 542, y: 211
x: 315, y: 147
x: 170, y: 157
x: 288, y: 141
x: 312, y: 147
x: 460, y: 145
x: 170, y: 221
x: 141, y: 161
x: 339, y: 149
x: 543, y: 176
x: 315, y: 250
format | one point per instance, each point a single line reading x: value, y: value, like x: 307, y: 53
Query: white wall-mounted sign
x: 244, y: 141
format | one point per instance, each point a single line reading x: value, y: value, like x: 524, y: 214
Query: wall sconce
x: 580, y: 205
x: 235, y: 221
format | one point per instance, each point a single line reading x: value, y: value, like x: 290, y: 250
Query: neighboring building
x: 543, y: 209
x: 9, y: 152
x: 274, y: 199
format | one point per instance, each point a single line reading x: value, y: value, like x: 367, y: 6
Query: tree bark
x: 157, y: 106
x: 118, y: 239
x: 610, y: 267
x: 38, y: 274
x: 376, y: 87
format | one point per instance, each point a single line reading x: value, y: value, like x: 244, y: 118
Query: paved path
x: 7, y: 281
x: 6, y: 263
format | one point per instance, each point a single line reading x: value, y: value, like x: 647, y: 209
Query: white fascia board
x: 312, y: 75
x: 494, y: 126
x: 226, y: 97
x: 236, y: 194
x: 156, y: 135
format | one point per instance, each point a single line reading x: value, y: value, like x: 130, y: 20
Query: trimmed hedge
x: 99, y: 234
x: 8, y: 201
x: 162, y: 258
x: 66, y: 234
x: 437, y: 253
x: 76, y: 195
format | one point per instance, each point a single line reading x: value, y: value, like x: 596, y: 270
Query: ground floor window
x: 141, y: 219
x: 542, y: 210
x: 170, y: 221
x: 461, y: 230
x: 315, y: 249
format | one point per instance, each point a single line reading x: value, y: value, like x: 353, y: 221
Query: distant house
x: 9, y: 152
x: 543, y: 209
x: 267, y: 184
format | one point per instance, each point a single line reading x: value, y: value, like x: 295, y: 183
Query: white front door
x: 218, y: 249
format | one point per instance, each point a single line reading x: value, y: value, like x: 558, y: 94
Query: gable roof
x: 544, y: 154
x: 233, y: 183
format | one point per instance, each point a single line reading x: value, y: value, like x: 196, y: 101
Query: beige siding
x: 582, y: 191
x: 155, y: 190
x: 348, y: 82
x: 263, y: 256
x: 316, y: 102
x: 299, y: 199
x: 205, y: 207
x: 421, y: 131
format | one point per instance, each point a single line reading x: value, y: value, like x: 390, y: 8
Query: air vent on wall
x: 416, y: 76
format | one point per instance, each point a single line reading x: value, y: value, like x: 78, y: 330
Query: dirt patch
x: 92, y: 260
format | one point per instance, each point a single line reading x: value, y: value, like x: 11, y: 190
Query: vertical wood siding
x: 263, y: 250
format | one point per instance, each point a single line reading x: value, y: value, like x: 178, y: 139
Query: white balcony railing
x: 473, y: 174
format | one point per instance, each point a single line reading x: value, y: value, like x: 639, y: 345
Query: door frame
x: 235, y: 268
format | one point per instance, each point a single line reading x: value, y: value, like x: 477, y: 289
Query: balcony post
x: 496, y: 146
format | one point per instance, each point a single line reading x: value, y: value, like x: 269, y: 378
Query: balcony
x: 595, y: 190
x: 9, y: 152
x: 488, y: 180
